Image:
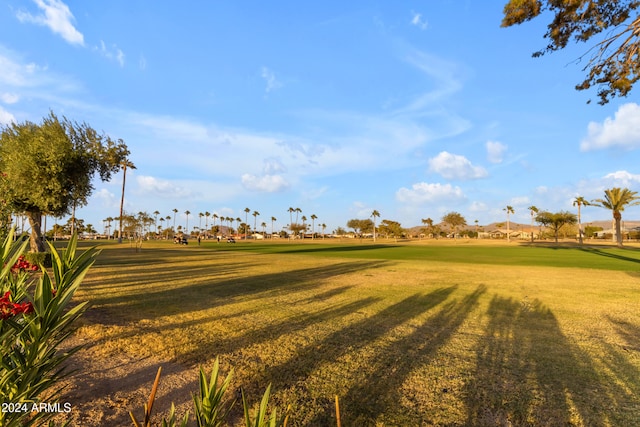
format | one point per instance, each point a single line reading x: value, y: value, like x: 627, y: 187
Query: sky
x: 411, y: 108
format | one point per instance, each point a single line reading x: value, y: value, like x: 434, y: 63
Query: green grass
x: 436, y: 334
x: 608, y: 258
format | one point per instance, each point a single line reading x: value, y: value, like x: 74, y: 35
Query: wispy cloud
x: 419, y: 21
x: 57, y: 17
x: 621, y: 131
x: 113, y: 53
x: 6, y: 117
x: 265, y: 183
x: 423, y: 192
x: 161, y: 187
x: 495, y: 151
x: 270, y: 79
x: 9, y: 98
x: 454, y: 166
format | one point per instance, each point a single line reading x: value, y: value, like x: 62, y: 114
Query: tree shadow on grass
x: 293, y: 373
x: 529, y: 373
x: 381, y: 390
x: 610, y: 255
x: 208, y: 289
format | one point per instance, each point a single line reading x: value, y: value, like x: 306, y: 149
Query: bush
x: 39, y: 258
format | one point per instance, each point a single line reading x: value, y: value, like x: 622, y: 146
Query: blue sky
x: 414, y: 109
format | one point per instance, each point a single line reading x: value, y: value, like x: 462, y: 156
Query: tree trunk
x: 618, y: 217
x: 36, y: 243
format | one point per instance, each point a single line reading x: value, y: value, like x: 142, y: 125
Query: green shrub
x: 39, y: 258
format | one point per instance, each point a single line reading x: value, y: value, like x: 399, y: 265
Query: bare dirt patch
x: 103, y: 390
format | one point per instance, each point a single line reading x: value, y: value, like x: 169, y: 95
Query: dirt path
x: 102, y: 390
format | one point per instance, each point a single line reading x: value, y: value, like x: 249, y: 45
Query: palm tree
x: 109, y: 219
x: 238, y: 219
x: 264, y: 226
x: 200, y: 215
x: 313, y: 224
x: 175, y: 211
x: 206, y: 221
x: 255, y: 220
x: 534, y: 211
x: 273, y: 219
x: 215, y: 216
x: 375, y: 214
x: 477, y: 235
x: 168, y: 218
x: 246, y: 221
x: 580, y: 201
x: 323, y: 225
x: 155, y: 215
x: 304, y: 226
x: 187, y: 212
x: 616, y: 199
x: 291, y: 210
x: 509, y: 210
x: 126, y: 163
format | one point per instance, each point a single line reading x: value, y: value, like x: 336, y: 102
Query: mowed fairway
x: 404, y: 334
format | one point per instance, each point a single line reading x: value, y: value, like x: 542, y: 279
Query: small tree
x: 47, y: 168
x: 454, y: 220
x: 555, y: 221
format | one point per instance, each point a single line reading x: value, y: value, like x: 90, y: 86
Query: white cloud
x: 142, y: 63
x: 270, y: 78
x: 418, y: 21
x: 57, y: 17
x: 495, y: 151
x: 160, y: 187
x: 453, y: 166
x: 112, y: 53
x: 623, y: 131
x: 622, y: 178
x: 264, y: 183
x: 423, y: 192
x: 108, y: 199
x: 478, y: 207
x: 9, y: 98
x: 6, y: 117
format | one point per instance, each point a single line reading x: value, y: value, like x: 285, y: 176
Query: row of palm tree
x: 295, y: 227
x: 615, y: 199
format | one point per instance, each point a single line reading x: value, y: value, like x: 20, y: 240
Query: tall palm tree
x: 375, y: 214
x: 264, y: 226
x: 273, y: 219
x: 246, y: 221
x: 580, y: 201
x: 200, y: 215
x: 155, y: 216
x: 255, y: 220
x: 206, y: 221
x: 187, y: 212
x: 291, y: 210
x: 304, y: 226
x: 616, y: 199
x: 126, y: 163
x: 167, y: 218
x: 533, y: 210
x: 109, y: 219
x: 324, y: 226
x: 509, y: 210
x: 313, y: 224
x: 175, y: 211
x: 238, y: 219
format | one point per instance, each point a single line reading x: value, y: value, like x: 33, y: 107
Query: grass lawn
x: 404, y: 334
